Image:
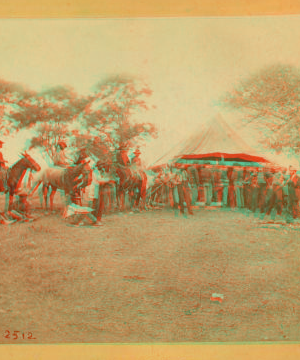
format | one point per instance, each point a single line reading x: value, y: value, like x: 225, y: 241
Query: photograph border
x: 85, y: 9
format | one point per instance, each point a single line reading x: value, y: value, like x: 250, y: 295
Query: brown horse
x: 134, y: 182
x: 12, y: 178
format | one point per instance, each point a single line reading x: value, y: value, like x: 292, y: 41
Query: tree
x: 49, y: 113
x: 108, y: 115
x: 12, y: 96
x: 270, y: 99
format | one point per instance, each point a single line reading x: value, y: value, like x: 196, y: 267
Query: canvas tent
x: 218, y: 144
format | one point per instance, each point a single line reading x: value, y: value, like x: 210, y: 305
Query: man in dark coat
x: 208, y: 181
x: 194, y: 182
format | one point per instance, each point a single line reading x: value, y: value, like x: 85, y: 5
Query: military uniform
x: 262, y: 189
x: 224, y: 185
x: 293, y: 208
x: 60, y: 157
x: 276, y: 197
x: 186, y: 190
x: 194, y: 182
x: 231, y: 189
x: 207, y: 178
x: 254, y: 191
x: 238, y: 188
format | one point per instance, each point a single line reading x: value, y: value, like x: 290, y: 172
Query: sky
x: 188, y: 63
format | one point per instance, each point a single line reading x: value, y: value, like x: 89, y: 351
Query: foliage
x: 271, y: 99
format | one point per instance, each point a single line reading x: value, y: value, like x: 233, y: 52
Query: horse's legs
x: 122, y: 200
x: 7, y: 199
x: 53, y: 192
x: 45, y: 195
x: 138, y: 196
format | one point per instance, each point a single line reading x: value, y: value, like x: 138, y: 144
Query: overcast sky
x: 188, y: 63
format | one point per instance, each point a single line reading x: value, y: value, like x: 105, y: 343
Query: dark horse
x: 11, y: 179
x: 135, y: 183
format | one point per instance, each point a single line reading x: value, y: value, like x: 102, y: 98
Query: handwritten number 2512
x: 16, y: 335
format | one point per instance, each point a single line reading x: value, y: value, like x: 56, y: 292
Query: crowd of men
x: 259, y: 189
x: 181, y: 186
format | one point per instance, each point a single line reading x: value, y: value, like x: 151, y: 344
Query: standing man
x: 208, y: 181
x: 254, y: 190
x: 224, y: 186
x: 186, y: 190
x: 269, y: 176
x: 262, y: 188
x: 285, y: 189
x: 276, y: 197
x: 217, y: 173
x: 178, y: 195
x: 293, y: 209
x: 247, y: 188
x: 238, y: 187
x: 98, y: 188
x: 231, y: 188
x: 194, y: 182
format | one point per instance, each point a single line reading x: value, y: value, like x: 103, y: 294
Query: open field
x: 149, y: 278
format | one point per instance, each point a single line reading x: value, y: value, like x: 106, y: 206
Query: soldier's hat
x: 62, y: 143
x: 137, y: 152
x: 123, y: 147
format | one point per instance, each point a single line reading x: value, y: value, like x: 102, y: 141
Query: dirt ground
x: 149, y: 277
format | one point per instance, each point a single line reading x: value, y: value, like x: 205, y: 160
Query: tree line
x: 100, y: 121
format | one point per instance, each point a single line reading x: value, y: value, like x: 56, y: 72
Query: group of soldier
x: 256, y: 189
x: 267, y: 190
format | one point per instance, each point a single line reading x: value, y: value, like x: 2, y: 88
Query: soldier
x: 247, y: 188
x: 285, y: 189
x: 60, y: 158
x: 186, y: 190
x: 254, y: 190
x: 98, y: 189
x: 137, y: 160
x: 122, y: 155
x: 123, y: 159
x: 194, y: 182
x: 208, y: 181
x: 276, y: 197
x: 217, y: 191
x: 224, y: 185
x: 269, y: 176
x: 262, y: 188
x: 292, y: 196
x: 231, y: 190
x: 155, y: 191
x: 238, y: 186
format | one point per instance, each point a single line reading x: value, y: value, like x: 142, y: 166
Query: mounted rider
x: 123, y: 159
x: 60, y: 157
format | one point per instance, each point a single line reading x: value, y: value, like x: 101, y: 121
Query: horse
x: 70, y: 180
x: 134, y: 182
x: 11, y: 179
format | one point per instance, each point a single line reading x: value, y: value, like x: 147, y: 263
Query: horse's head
x: 30, y: 163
